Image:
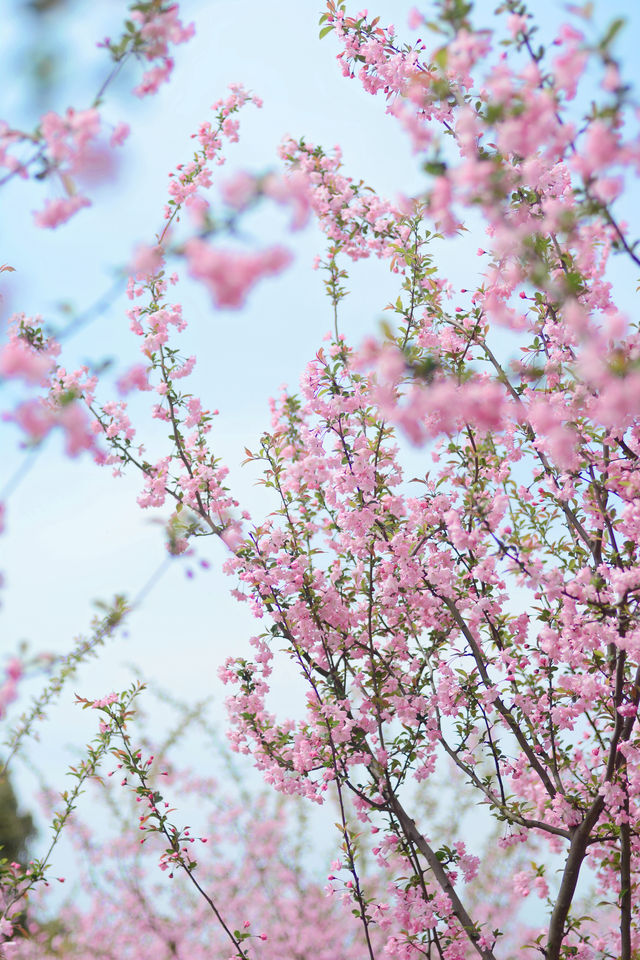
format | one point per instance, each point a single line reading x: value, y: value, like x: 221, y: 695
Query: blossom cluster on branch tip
x: 73, y: 149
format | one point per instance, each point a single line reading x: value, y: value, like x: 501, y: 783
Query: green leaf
x: 441, y: 57
x: 325, y: 31
x: 612, y: 32
x: 436, y: 168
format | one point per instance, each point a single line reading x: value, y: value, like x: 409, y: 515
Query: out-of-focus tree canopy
x: 16, y: 829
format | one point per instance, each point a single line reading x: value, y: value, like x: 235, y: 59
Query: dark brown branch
x: 413, y: 834
x: 625, y: 881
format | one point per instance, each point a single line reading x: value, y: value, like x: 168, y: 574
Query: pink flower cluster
x: 229, y: 275
x: 9, y: 689
x: 291, y: 190
x: 356, y: 219
x: 30, y: 357
x: 73, y: 151
x: 159, y: 28
x: 18, y: 360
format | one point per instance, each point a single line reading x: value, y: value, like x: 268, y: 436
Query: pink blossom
x: 516, y: 24
x: 569, y: 65
x: 135, y: 378
x: 521, y: 884
x: 291, y: 190
x: 105, y: 701
x: 68, y: 137
x: 19, y: 360
x: 230, y: 275
x: 147, y: 262
x: 600, y: 150
x: 542, y: 887
x: 74, y: 421
x: 158, y: 30
x: 611, y: 81
x: 97, y: 164
x: 153, y: 79
x: 440, y: 201
x: 239, y: 190
x: 35, y: 418
x: 14, y: 668
x: 120, y: 133
x: 232, y: 535
x: 195, y: 412
x: 57, y: 212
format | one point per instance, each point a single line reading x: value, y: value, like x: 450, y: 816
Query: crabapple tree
x: 473, y: 630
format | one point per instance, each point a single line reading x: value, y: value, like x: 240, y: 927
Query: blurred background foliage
x: 16, y: 829
x: 44, y: 46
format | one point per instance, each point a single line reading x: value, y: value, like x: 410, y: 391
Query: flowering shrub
x: 481, y: 620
